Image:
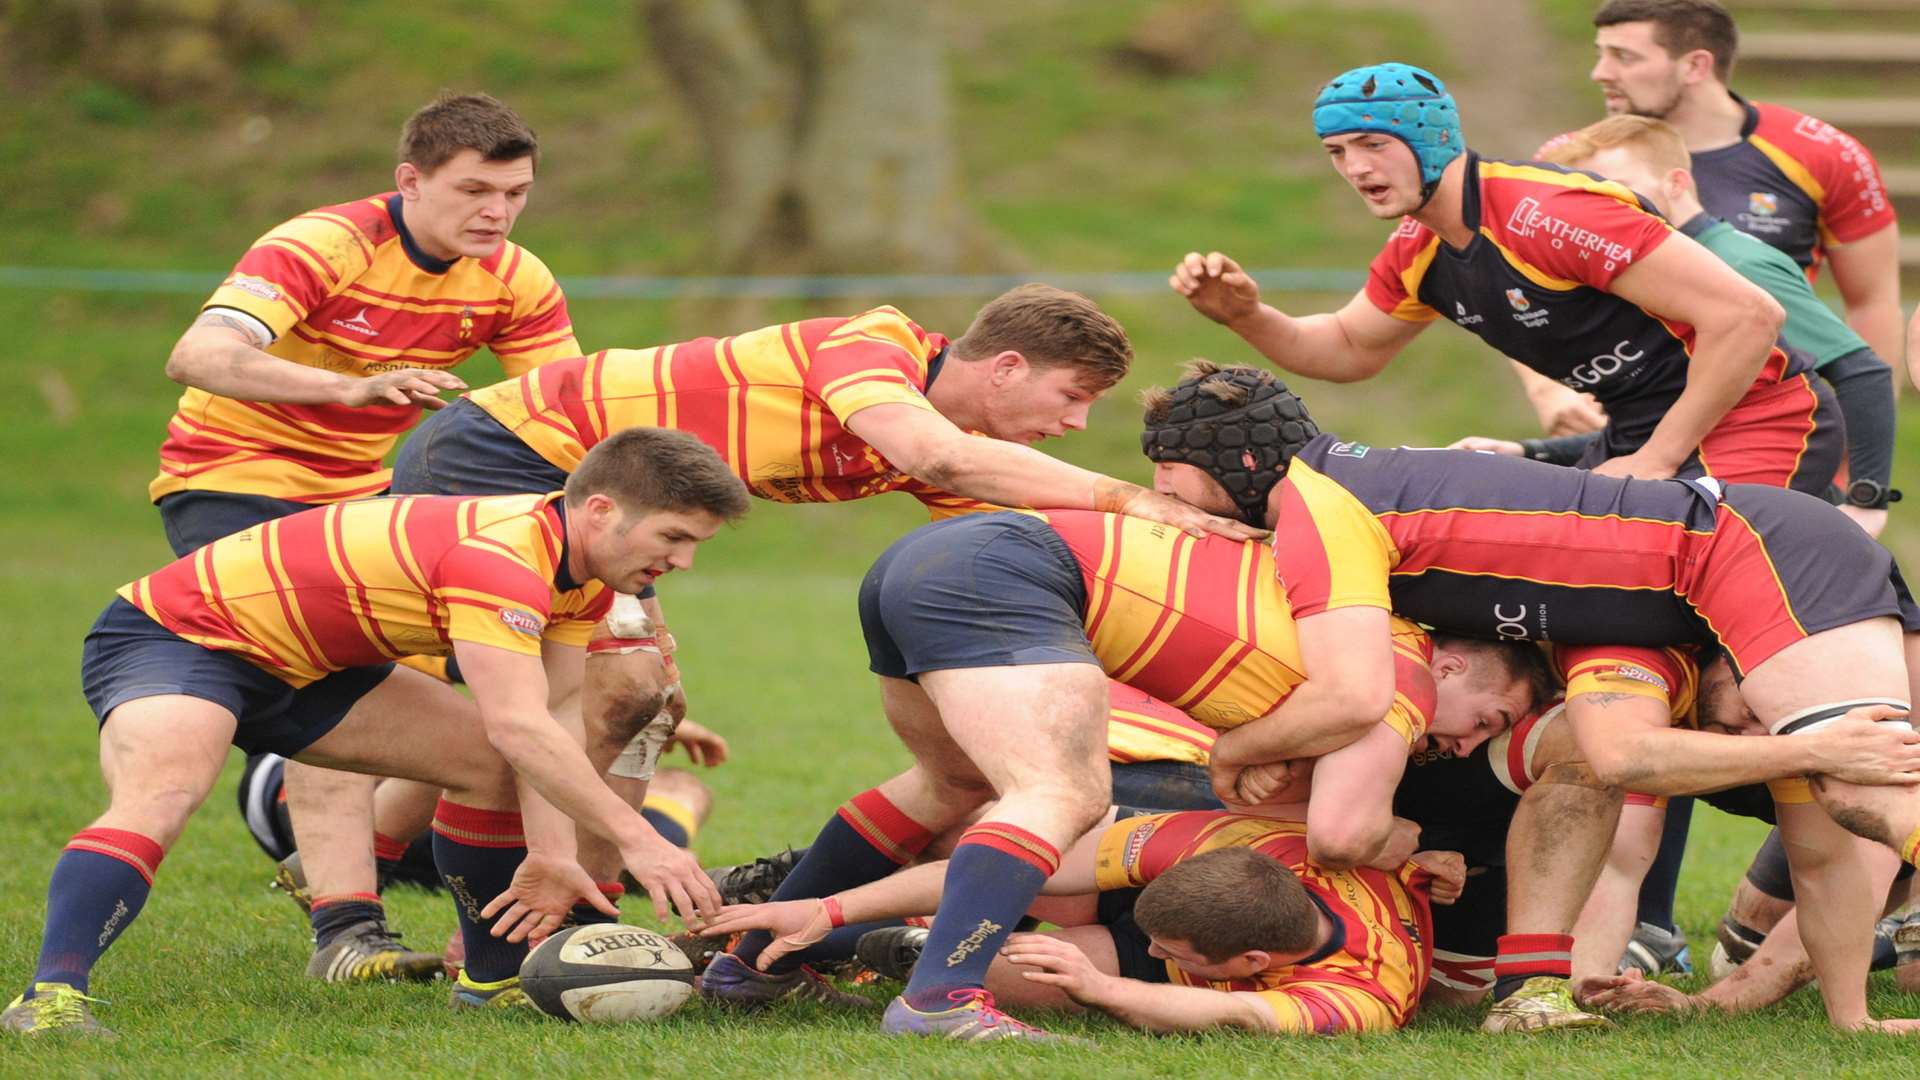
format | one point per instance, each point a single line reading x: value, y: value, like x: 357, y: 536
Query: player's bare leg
x: 1038, y: 735
x: 1556, y: 847
x: 1013, y: 990
x: 1607, y: 920
x: 626, y: 720
x: 1839, y: 888
x: 159, y: 756
x: 332, y: 816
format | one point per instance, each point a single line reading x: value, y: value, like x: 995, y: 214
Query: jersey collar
x: 1469, y: 203
x: 933, y: 367
x: 1698, y: 224
x: 1752, y: 120
x: 1336, y: 941
x: 562, y: 581
x: 418, y: 257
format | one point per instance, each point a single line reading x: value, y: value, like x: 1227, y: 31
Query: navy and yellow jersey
x: 1798, y: 183
x: 1499, y: 547
x: 345, y: 289
x: 1534, y: 284
x: 1367, y: 978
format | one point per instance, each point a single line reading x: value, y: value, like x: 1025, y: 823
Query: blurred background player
x: 317, y: 352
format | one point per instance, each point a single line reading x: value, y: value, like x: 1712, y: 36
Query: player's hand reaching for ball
x: 671, y: 875
x: 794, y: 924
x: 1216, y: 287
x: 413, y: 386
x: 544, y: 889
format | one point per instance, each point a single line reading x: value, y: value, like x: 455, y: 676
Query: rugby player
x: 1567, y: 274
x: 1794, y: 181
x: 281, y: 638
x: 1648, y: 156
x: 994, y: 635
x: 324, y: 344
x: 1188, y: 921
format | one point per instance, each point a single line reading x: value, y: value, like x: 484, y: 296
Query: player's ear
x: 1006, y: 366
x: 406, y: 179
x: 1254, y: 960
x: 1447, y: 663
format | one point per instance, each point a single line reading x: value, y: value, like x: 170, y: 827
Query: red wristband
x: 834, y: 915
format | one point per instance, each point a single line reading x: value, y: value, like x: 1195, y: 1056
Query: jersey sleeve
x: 1135, y: 850
x: 576, y: 613
x: 539, y: 330
x: 1306, y: 1005
x: 875, y: 358
x: 1665, y: 675
x: 494, y: 592
x: 1585, y: 235
x: 292, y: 269
x: 1414, y: 691
x: 1318, y: 518
x: 1393, y: 280
x: 1852, y: 192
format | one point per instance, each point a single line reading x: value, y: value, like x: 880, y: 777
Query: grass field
x: 207, y: 983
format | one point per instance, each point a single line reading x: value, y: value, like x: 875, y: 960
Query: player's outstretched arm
x: 1348, y: 345
x: 1629, y: 741
x: 1348, y: 657
x: 928, y: 447
x: 511, y: 691
x: 223, y: 354
x: 1735, y: 325
x: 1159, y: 1007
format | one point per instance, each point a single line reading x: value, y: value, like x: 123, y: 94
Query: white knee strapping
x: 627, y: 619
x: 1813, y: 719
x: 642, y: 754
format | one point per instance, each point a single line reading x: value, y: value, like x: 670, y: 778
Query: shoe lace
x: 990, y: 1014
x: 379, y: 937
x: 62, y: 1006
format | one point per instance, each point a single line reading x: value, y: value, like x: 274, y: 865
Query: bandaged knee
x: 1810, y: 720
x: 642, y: 752
x: 629, y: 629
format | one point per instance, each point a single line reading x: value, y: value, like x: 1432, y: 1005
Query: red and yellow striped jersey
x: 359, y: 583
x: 1141, y: 727
x: 345, y: 289
x: 1205, y: 626
x: 772, y: 402
x: 1370, y: 976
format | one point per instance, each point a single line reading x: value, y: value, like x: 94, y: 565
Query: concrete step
x: 1851, y: 46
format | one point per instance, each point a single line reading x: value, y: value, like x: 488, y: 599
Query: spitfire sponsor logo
x: 358, y: 324
x: 1529, y: 220
x: 525, y: 622
x: 1763, y: 203
x: 973, y: 942
x: 1136, y: 843
x: 113, y: 923
x: 1602, y: 367
x: 253, y: 286
x: 1640, y: 674
x: 1461, y: 317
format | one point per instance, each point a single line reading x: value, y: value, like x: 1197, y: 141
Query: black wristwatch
x: 1871, y: 494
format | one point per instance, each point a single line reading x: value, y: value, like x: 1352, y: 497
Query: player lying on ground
x: 994, y: 636
x: 1179, y: 922
x: 281, y: 638
x: 1569, y: 275
x: 1649, y: 157
x: 821, y: 410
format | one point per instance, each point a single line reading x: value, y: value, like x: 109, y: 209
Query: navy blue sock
x: 867, y: 839
x: 477, y: 852
x: 588, y: 915
x: 995, y: 873
x: 99, y: 885
x: 332, y: 914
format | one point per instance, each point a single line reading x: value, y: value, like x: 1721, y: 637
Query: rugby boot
x: 972, y: 1018
x: 891, y: 952
x: 1655, y: 950
x: 733, y: 982
x: 369, y: 952
x: 1903, y: 933
x: 290, y: 878
x: 505, y: 994
x: 1543, y: 1003
x: 754, y: 882
x: 55, y: 1007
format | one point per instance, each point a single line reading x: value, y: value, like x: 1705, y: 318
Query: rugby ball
x: 607, y: 974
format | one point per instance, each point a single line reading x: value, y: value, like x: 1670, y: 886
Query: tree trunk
x: 826, y: 130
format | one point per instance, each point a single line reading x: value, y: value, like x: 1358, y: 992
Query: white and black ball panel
x: 607, y: 974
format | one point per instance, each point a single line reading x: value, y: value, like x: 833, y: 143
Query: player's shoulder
x: 886, y: 322
x: 519, y: 270
x: 342, y: 232
x: 1798, y: 133
x: 1513, y: 193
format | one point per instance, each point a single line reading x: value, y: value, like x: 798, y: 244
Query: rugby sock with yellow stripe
x: 477, y: 852
x: 995, y: 873
x: 867, y: 839
x: 674, y: 820
x: 99, y: 885
x: 1520, y: 957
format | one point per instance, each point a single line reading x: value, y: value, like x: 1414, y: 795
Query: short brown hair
x: 1156, y: 399
x: 1225, y: 902
x: 453, y: 122
x: 646, y: 469
x: 1521, y: 660
x: 1655, y: 142
x: 1680, y: 27
x: 1051, y: 328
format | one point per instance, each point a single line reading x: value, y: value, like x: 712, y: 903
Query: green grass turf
x: 1134, y: 169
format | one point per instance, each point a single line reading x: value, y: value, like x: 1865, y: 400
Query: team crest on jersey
x: 253, y: 286
x: 1348, y: 449
x: 525, y: 622
x: 1763, y: 203
x: 466, y: 323
x: 1518, y: 300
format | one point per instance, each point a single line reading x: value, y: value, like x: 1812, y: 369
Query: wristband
x: 835, y: 917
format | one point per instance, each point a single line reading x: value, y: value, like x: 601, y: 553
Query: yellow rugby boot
x: 54, y: 1007
x: 1543, y: 1003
